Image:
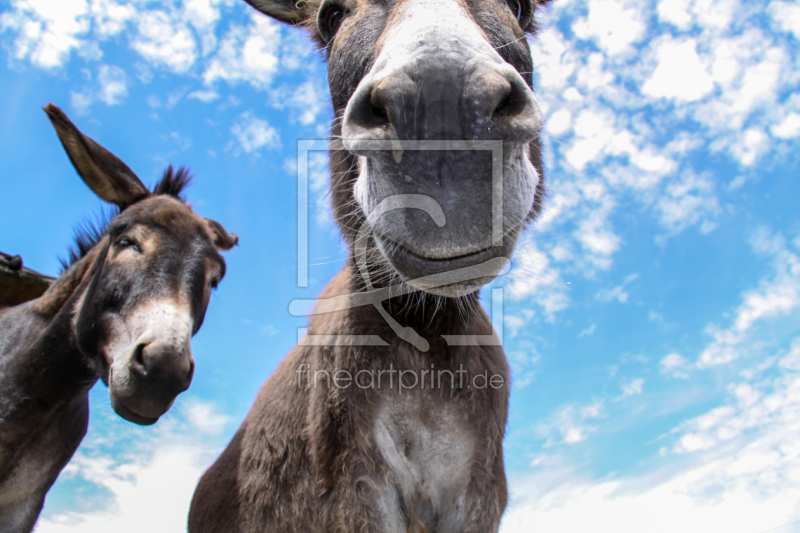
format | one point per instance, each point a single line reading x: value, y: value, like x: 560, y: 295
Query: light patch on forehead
x: 449, y: 20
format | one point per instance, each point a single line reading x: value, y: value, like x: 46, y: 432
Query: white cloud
x: 204, y: 416
x: 688, y: 201
x: 632, y: 388
x: 750, y: 146
x: 165, y: 40
x: 593, y: 131
x: 113, y: 84
x: 736, y: 468
x: 201, y: 13
x: 150, y: 486
x: 253, y: 133
x: 46, y: 31
x: 570, y: 424
x: 675, y: 365
x: 523, y: 360
x: 617, y: 293
x: 695, y: 500
x: 680, y: 73
x: 532, y: 277
x: 559, y: 122
x: 516, y: 323
x: 307, y: 101
x: 786, y: 16
x: 153, y: 495
x: 247, y: 54
x: 788, y: 128
x: 204, y: 96
x: 182, y: 37
x: 792, y: 360
x: 713, y: 80
x: 675, y: 12
x: 109, y: 17
x: 777, y: 295
x: 111, y: 88
x: 613, y: 24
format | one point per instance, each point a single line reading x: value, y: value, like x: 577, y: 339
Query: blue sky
x: 651, y: 316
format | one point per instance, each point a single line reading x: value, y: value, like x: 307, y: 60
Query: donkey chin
x: 148, y: 371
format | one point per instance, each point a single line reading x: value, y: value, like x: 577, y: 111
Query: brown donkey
x: 124, y: 311
x: 391, y: 418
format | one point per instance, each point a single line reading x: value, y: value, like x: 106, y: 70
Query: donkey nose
x: 486, y: 102
x: 163, y: 364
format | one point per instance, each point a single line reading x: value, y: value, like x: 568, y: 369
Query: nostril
x: 368, y: 110
x: 379, y: 114
x: 190, y: 374
x: 511, y: 101
x: 136, y: 361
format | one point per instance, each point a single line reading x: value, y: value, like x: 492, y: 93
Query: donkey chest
x: 428, y: 452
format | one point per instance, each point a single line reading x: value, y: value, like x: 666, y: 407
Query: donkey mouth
x: 129, y: 415
x: 452, y: 276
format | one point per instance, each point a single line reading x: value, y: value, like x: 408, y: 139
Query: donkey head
x: 149, y: 282
x: 410, y: 74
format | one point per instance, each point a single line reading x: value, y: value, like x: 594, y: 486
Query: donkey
x: 123, y: 311
x: 391, y: 418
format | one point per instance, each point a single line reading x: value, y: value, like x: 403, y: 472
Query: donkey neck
x: 42, y: 365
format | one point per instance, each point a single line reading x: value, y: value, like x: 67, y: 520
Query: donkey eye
x: 125, y: 242
x: 516, y: 8
x: 214, y: 283
x: 330, y: 20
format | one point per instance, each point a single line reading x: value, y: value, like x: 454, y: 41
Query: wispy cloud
x: 632, y: 387
x: 165, y: 40
x: 776, y: 295
x: 247, y: 54
x: 253, y: 133
x: 571, y: 424
x: 149, y: 487
x: 735, y: 469
x: 633, y: 93
x: 618, y: 293
x: 110, y: 87
x: 675, y: 365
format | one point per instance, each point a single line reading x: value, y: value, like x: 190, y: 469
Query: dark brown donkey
x: 390, y: 418
x: 124, y: 311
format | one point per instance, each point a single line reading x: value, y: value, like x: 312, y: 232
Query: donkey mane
x: 91, y: 231
x: 173, y: 183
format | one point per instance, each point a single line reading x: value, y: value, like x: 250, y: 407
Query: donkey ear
x: 222, y: 239
x: 102, y: 171
x: 288, y: 11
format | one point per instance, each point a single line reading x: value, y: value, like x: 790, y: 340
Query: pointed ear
x: 222, y: 239
x: 102, y: 171
x: 288, y: 11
